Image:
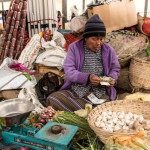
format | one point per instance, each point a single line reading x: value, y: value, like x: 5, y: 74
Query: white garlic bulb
x: 121, y: 123
x: 116, y: 128
x: 115, y: 120
x: 102, y: 124
x: 121, y: 116
x: 109, y: 113
x: 130, y: 114
x: 109, y: 117
x: 135, y: 116
x: 125, y: 127
x: 104, y: 119
x: 122, y: 113
x: 97, y: 124
x: 141, y: 118
x: 104, y: 113
x: 99, y: 118
x: 110, y: 122
x: 127, y: 121
x: 114, y: 114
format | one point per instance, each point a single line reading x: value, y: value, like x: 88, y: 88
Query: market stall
x: 31, y: 68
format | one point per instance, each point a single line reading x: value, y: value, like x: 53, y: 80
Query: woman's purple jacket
x: 74, y: 62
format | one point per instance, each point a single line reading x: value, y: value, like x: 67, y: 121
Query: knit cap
x: 94, y: 27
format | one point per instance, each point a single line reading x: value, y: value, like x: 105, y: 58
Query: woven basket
x: 126, y: 44
x: 123, y: 81
x: 134, y: 106
x: 139, y: 74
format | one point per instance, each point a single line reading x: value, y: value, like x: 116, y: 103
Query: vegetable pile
x: 127, y: 142
x: 46, y: 115
x: 121, y: 122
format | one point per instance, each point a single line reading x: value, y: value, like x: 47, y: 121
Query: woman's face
x: 94, y: 42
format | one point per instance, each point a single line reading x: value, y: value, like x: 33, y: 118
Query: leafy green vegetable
x: 73, y: 119
x: 89, y: 143
x: 2, y: 122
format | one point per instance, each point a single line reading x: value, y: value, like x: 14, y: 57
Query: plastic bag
x: 77, y: 24
x: 30, y: 52
x: 59, y: 39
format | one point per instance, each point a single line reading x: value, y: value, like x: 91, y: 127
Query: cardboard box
x: 44, y: 69
x: 116, y: 15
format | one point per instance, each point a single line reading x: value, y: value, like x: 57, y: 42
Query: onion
x: 47, y: 117
x: 50, y: 114
x: 43, y: 116
x: 43, y: 121
x: 48, y: 120
x: 45, y: 110
x: 24, y: 148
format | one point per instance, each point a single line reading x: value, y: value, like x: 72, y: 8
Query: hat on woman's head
x: 94, y: 27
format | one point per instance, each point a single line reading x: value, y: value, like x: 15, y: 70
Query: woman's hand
x: 95, y: 80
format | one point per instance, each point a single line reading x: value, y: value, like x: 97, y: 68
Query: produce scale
x: 52, y: 136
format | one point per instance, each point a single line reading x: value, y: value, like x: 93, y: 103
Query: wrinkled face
x: 94, y: 42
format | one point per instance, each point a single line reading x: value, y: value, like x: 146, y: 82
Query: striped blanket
x: 66, y: 100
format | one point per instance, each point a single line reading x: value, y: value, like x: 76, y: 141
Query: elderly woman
x: 87, y: 61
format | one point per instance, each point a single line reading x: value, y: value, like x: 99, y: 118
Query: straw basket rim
x: 114, y: 105
x: 125, y: 61
x: 140, y: 60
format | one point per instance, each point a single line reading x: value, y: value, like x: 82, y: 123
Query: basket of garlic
x: 120, y: 117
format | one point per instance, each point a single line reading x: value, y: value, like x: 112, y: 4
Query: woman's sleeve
x: 70, y: 67
x: 115, y: 66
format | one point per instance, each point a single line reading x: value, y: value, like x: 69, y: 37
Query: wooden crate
x: 44, y: 69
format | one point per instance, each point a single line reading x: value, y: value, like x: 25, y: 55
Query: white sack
x: 29, y: 93
x: 53, y: 56
x: 11, y: 79
x: 59, y: 39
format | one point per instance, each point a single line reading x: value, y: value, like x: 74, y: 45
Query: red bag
x: 146, y: 26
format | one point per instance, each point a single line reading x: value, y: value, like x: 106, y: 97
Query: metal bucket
x: 15, y: 111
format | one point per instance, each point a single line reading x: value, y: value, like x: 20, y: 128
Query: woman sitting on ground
x: 87, y: 61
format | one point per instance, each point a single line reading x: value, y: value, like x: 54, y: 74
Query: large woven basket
x: 123, y: 81
x: 134, y: 106
x: 126, y: 44
x: 139, y: 74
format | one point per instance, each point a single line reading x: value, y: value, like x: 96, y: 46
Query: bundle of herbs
x: 73, y: 119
